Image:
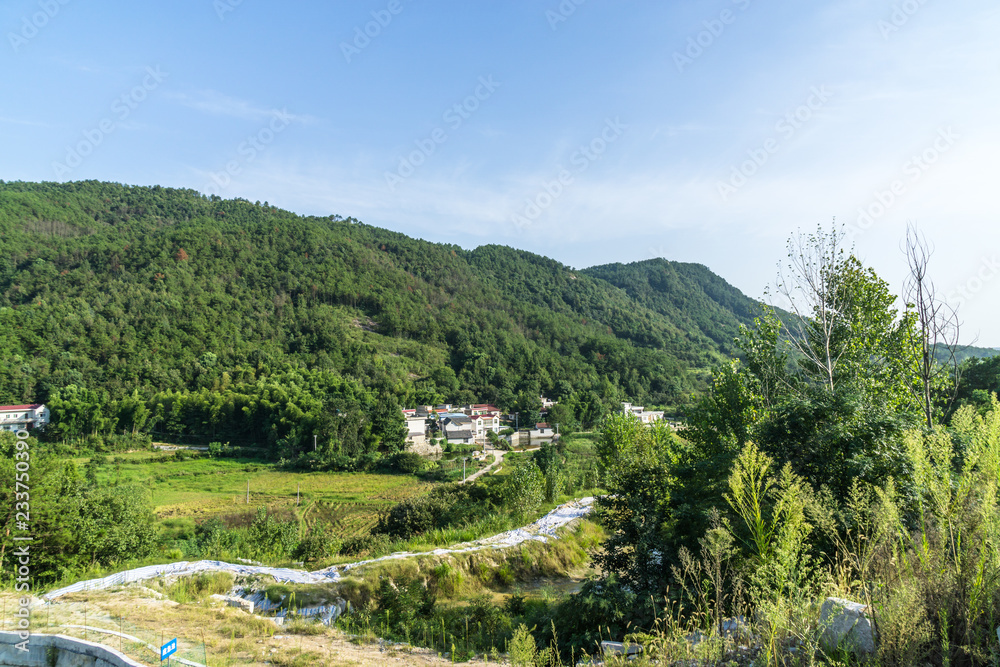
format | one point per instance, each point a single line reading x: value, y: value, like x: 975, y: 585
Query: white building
x: 486, y: 422
x: 542, y: 430
x: 645, y: 416
x: 416, y: 429
x: 26, y: 417
x: 457, y: 427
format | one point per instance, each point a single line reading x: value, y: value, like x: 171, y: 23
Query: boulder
x: 846, y: 624
x: 620, y: 648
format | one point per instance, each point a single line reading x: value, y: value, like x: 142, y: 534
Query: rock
x: 233, y: 601
x: 620, y: 648
x: 736, y: 626
x: 846, y: 624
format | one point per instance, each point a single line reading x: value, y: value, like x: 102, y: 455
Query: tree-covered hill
x: 696, y: 300
x: 141, y: 292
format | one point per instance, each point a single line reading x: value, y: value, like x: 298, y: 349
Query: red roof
x: 542, y: 425
x: 31, y: 406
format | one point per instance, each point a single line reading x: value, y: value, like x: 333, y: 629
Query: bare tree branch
x: 937, y: 323
x: 808, y: 283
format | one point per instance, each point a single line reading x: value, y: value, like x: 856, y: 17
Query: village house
x: 23, y: 417
x: 416, y: 429
x: 461, y: 436
x: 645, y: 416
x: 466, y: 425
x: 480, y: 409
x: 457, y: 427
x: 542, y: 430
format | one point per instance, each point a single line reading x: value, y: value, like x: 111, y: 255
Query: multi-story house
x: 26, y: 417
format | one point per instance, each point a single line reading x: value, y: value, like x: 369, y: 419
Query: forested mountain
x: 147, y: 294
x: 696, y: 300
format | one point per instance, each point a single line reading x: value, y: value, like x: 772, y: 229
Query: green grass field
x: 197, y: 489
x: 184, y: 492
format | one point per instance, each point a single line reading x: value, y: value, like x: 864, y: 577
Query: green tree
x: 524, y: 490
x: 115, y: 524
x: 638, y: 463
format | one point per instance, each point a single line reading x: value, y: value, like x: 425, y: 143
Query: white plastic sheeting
x: 540, y: 530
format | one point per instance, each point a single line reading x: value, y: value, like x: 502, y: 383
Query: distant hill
x: 698, y: 301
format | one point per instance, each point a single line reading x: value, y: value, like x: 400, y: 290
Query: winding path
x: 498, y: 455
x: 541, y: 531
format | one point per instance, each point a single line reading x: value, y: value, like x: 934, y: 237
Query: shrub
x: 217, y: 449
x: 411, y: 517
x: 522, y: 648
x: 317, y: 544
x: 369, y: 545
x: 409, y: 462
x: 404, y: 599
x: 488, y: 615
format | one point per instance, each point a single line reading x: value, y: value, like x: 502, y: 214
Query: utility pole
x: 463, y: 468
x: 248, y: 490
x: 314, y: 442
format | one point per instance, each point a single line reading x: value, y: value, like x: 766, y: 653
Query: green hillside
x: 696, y: 300
x: 147, y: 294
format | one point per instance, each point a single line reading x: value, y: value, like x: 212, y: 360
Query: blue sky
x: 587, y: 131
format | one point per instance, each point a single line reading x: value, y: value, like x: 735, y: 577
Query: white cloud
x: 219, y: 104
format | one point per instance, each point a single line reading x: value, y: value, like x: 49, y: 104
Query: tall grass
x: 922, y: 553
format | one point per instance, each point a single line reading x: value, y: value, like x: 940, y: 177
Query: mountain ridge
x: 138, y: 290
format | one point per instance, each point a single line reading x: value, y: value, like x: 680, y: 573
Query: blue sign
x: 168, y: 649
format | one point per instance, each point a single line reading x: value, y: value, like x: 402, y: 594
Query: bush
x: 409, y: 462
x: 317, y: 544
x: 217, y: 449
x: 412, y: 517
x: 486, y: 613
x: 368, y: 545
x: 404, y: 599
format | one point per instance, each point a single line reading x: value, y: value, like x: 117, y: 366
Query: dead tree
x: 937, y: 329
